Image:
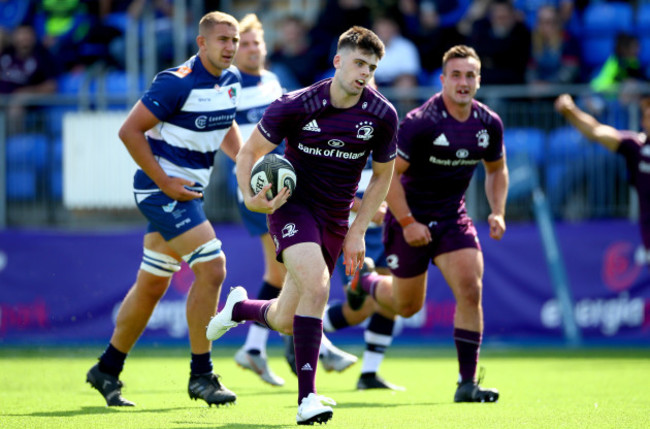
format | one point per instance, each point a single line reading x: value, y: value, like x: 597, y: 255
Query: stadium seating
x: 607, y: 19
x: 26, y: 157
x: 525, y: 142
x: 601, y: 23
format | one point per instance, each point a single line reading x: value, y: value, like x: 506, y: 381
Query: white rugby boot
x: 312, y: 409
x: 222, y: 322
x: 259, y: 366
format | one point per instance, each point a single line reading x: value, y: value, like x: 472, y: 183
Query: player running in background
x: 331, y: 128
x: 632, y: 145
x: 173, y: 133
x: 260, y: 88
x: 440, y: 145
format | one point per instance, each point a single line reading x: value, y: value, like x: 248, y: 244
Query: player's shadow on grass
x: 97, y: 410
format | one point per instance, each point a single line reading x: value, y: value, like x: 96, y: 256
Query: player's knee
x: 283, y: 324
x: 208, y: 263
x: 408, y: 310
x: 469, y: 295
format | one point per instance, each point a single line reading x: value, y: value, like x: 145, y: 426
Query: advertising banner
x: 59, y: 287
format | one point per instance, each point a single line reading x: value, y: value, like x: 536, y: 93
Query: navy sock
x: 112, y: 361
x: 201, y: 364
x: 335, y: 316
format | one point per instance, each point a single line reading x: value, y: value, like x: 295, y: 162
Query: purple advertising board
x: 60, y: 287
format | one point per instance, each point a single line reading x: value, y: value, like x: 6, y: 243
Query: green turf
x: 539, y: 389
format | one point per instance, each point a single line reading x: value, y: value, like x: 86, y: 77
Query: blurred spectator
x: 163, y: 11
x: 16, y: 12
x: 292, y: 59
x: 555, y: 56
x: 476, y: 11
x: 622, y: 71
x: 401, y: 64
x: 337, y: 16
x: 26, y: 69
x: 503, y: 43
x: 433, y: 39
x: 62, y: 26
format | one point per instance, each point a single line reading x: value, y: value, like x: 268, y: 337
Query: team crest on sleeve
x: 182, y: 71
x: 365, y: 130
x: 483, y: 138
x: 289, y: 230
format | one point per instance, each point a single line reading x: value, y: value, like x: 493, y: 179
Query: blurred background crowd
x: 58, y: 56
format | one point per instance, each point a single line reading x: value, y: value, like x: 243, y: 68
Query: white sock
x: 256, y: 339
x: 371, y: 361
x: 325, y: 345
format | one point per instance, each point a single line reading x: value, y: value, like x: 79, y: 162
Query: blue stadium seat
x: 607, y: 18
x: 29, y: 150
x: 21, y: 183
x: 525, y: 142
x: 595, y: 51
x: 55, y: 173
x: 643, y: 20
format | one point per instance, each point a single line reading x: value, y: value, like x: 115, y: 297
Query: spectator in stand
x: 503, y: 43
x: 292, y: 59
x: 62, y: 26
x: 400, y: 66
x: 15, y: 12
x: 433, y: 39
x: 622, y: 71
x: 336, y: 17
x: 164, y: 36
x: 26, y: 69
x: 555, y: 55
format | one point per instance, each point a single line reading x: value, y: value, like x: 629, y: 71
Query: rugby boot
x: 109, y: 386
x: 222, y: 322
x: 290, y: 352
x: 354, y: 293
x: 335, y: 359
x: 207, y: 387
x: 258, y: 364
x: 314, y: 409
x: 370, y: 380
x: 471, y: 391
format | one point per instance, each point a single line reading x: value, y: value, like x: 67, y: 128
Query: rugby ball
x: 275, y: 169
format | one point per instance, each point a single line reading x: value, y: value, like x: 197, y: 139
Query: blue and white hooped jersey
x: 257, y: 93
x: 196, y: 109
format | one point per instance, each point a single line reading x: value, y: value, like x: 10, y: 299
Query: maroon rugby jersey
x: 443, y: 154
x: 327, y: 146
x: 635, y: 149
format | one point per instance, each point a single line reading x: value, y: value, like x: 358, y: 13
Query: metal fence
x: 580, y: 179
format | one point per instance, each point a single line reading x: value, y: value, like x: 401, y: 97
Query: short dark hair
x: 363, y: 39
x: 459, y: 51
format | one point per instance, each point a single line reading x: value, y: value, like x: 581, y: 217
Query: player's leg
x: 253, y: 353
x: 309, y: 275
x: 463, y: 271
x: 158, y: 265
x: 202, y: 251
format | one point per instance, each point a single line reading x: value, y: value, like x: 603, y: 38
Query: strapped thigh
x: 205, y: 252
x: 159, y: 264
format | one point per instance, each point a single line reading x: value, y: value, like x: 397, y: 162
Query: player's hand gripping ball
x: 275, y: 169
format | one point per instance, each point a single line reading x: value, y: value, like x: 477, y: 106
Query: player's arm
x: 140, y: 120
x: 588, y: 125
x: 256, y: 147
x: 496, y: 190
x: 354, y: 247
x: 232, y: 141
x: 415, y: 233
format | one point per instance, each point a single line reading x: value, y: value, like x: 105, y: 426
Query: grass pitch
x: 45, y: 388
